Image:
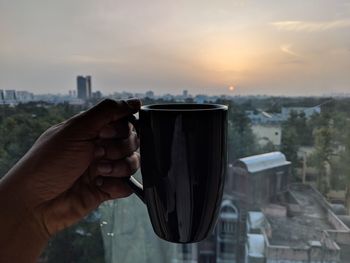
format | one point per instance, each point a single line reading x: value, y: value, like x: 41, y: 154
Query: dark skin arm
x: 70, y: 170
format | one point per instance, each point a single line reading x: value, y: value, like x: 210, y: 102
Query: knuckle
x: 122, y: 148
x: 133, y: 163
x: 108, y: 102
x: 107, y: 105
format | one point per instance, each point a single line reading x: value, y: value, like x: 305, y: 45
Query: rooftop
x: 258, y: 163
x: 302, y: 228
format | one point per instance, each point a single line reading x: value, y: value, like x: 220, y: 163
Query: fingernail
x: 134, y: 104
x: 100, y: 152
x: 104, y: 167
x: 99, y: 181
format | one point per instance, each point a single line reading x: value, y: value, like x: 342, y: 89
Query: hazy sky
x: 259, y: 46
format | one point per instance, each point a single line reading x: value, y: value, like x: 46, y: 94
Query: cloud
x: 287, y: 49
x: 308, y: 26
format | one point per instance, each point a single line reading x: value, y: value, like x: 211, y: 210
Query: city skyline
x: 273, y: 48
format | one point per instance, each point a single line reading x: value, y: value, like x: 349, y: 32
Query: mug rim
x: 196, y: 107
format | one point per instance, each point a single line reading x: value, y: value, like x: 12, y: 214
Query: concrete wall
x: 340, y: 237
x: 331, y: 217
x: 286, y: 254
x: 336, y: 222
x: 276, y: 254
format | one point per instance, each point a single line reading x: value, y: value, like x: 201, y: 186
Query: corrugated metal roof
x: 258, y: 163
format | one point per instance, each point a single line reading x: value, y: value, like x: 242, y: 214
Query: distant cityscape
x: 84, y: 93
x: 266, y: 126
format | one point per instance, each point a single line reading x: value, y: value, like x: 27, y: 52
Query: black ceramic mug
x: 183, y: 166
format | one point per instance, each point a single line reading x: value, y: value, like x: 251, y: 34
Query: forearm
x: 21, y: 237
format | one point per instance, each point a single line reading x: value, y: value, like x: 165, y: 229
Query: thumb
x: 106, y: 112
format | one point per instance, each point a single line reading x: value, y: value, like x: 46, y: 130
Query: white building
x: 24, y: 96
x: 255, y: 249
x: 262, y: 117
x: 268, y: 133
x: 10, y: 95
x: 308, y: 111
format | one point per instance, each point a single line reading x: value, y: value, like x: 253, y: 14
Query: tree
x: 268, y: 147
x: 241, y: 140
x: 290, y: 141
x: 322, y: 157
x: 290, y: 146
x: 344, y: 166
x: 19, y: 128
x: 81, y: 243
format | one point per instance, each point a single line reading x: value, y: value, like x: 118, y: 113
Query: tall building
x: 185, y: 93
x: 84, y: 87
x: 10, y: 95
x: 150, y: 94
x: 2, y: 95
x: 88, y: 85
x: 96, y: 95
x: 24, y: 96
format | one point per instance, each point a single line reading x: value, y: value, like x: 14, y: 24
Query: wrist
x: 23, y: 237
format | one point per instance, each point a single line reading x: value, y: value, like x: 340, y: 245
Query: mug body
x: 183, y: 166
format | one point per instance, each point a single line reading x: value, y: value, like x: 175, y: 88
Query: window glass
x: 282, y: 68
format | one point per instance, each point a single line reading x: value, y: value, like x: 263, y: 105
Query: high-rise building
x: 84, y: 87
x: 185, y: 93
x: 2, y: 95
x: 24, y: 96
x: 81, y: 87
x: 10, y: 95
x: 150, y: 94
x: 88, y: 85
x: 96, y: 95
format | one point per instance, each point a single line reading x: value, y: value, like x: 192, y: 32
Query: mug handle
x: 135, y: 185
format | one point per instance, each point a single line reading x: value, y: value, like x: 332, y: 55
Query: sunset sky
x: 278, y: 47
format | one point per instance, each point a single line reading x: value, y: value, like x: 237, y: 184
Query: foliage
x: 81, y: 243
x: 328, y: 132
x: 19, y: 128
x: 295, y: 133
x: 331, y: 132
x: 241, y: 140
x: 290, y: 146
x: 344, y: 164
x: 322, y: 157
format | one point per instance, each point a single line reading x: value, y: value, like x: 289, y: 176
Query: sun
x: 231, y: 88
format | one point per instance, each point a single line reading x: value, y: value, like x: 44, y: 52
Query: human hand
x: 70, y: 170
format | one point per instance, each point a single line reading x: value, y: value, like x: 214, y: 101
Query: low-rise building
x: 302, y: 228
x: 264, y: 219
x: 251, y: 183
